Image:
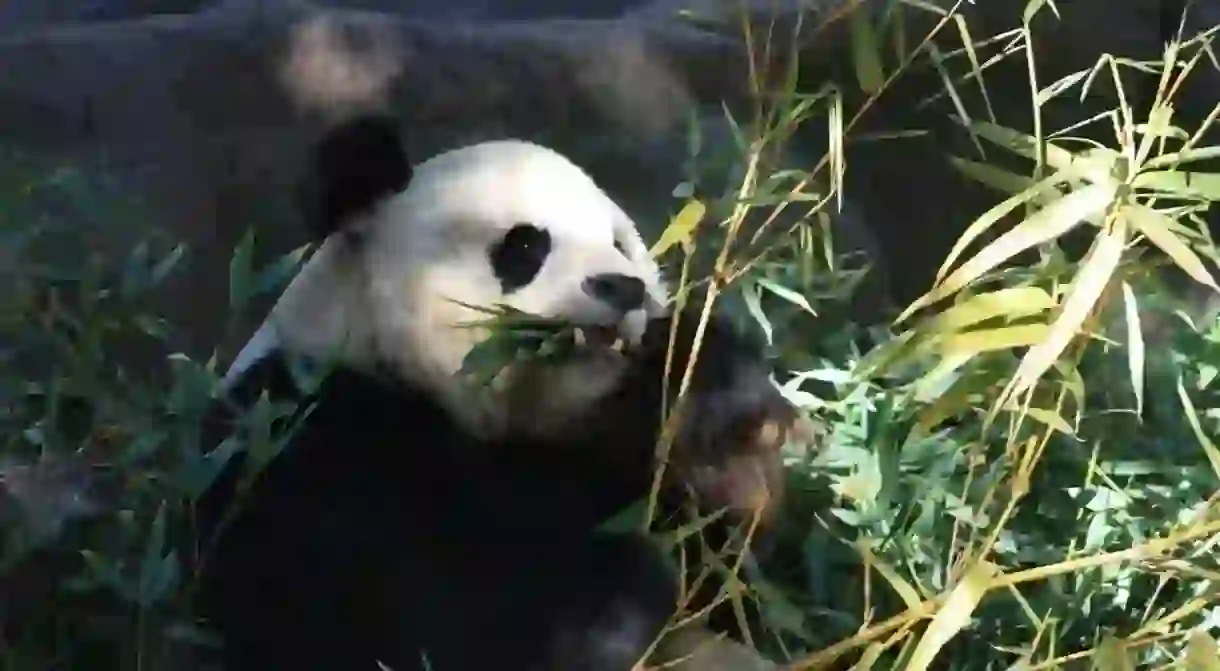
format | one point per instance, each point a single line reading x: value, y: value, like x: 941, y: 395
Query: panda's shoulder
x: 345, y: 438
x: 342, y: 399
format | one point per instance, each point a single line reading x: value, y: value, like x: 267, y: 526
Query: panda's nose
x: 622, y: 292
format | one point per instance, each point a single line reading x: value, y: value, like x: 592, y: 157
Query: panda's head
x: 413, y: 255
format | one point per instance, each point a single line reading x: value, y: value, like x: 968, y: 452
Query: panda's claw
x: 770, y: 434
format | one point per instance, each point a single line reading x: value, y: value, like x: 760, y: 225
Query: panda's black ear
x: 355, y: 165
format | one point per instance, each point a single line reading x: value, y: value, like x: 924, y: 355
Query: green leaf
x: 275, y: 276
x: 241, y: 271
x: 750, y: 296
x: 629, y: 520
x: 787, y: 294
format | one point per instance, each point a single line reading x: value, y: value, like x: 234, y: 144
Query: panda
x: 413, y: 520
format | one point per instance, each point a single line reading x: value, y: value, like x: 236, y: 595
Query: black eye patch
x: 518, y: 256
x: 618, y: 244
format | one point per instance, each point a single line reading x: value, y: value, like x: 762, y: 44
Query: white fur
x: 396, y: 295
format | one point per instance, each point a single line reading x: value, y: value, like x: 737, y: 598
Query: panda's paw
x: 733, y: 420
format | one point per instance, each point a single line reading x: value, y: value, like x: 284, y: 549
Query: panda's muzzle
x: 623, y: 293
x: 599, y: 336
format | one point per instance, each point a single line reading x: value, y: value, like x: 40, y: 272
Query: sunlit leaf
x: 1209, y: 448
x: 1096, y: 164
x: 997, y: 212
x: 903, y: 588
x: 989, y: 340
x: 787, y: 294
x: 1082, y: 297
x: 1010, y: 303
x: 953, y: 616
x: 1156, y: 128
x: 1202, y: 653
x: 1111, y: 655
x: 1182, y: 157
x: 1180, y: 183
x: 1051, y: 419
x: 1135, y: 347
x: 681, y: 229
x: 750, y: 295
x: 1047, y: 224
x: 1055, y: 88
x: 1157, y: 227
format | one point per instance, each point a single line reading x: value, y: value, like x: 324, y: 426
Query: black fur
x: 385, y: 532
x: 356, y: 165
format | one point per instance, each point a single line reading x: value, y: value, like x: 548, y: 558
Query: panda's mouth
x: 606, y: 337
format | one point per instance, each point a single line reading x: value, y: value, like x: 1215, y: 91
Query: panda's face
x: 403, y: 275
x: 507, y: 223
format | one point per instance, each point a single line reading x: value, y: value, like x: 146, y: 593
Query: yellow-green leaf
x: 1202, y: 653
x: 1157, y: 127
x: 866, y: 52
x: 1111, y: 655
x: 880, y: 358
x: 1058, y: 87
x: 948, y: 405
x: 1095, y: 165
x: 989, y: 340
x: 953, y: 615
x: 681, y: 229
x: 997, y: 212
x: 1044, y: 225
x: 1157, y: 228
x: 1051, y: 419
x: 1011, y: 303
x: 1209, y: 448
x: 868, y: 658
x: 1179, y: 157
x: 1181, y: 183
x: 1135, y: 347
x: 931, y: 385
x: 989, y: 175
x: 904, y: 589
x: 1094, y: 274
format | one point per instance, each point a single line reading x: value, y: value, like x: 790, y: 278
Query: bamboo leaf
x: 1157, y: 228
x: 1111, y: 655
x: 989, y: 175
x: 1180, y: 183
x: 1202, y: 653
x: 866, y: 52
x: 997, y: 212
x: 1011, y: 303
x: 903, y: 588
x: 1174, y: 158
x: 1051, y: 419
x: 953, y: 616
x: 1095, y: 165
x: 1095, y: 273
x: 990, y: 340
x: 1209, y: 448
x: 1045, y: 225
x: 1055, y: 88
x: 681, y: 229
x: 1135, y: 347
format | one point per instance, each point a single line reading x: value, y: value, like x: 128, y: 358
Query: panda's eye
x: 518, y: 256
x: 618, y: 244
